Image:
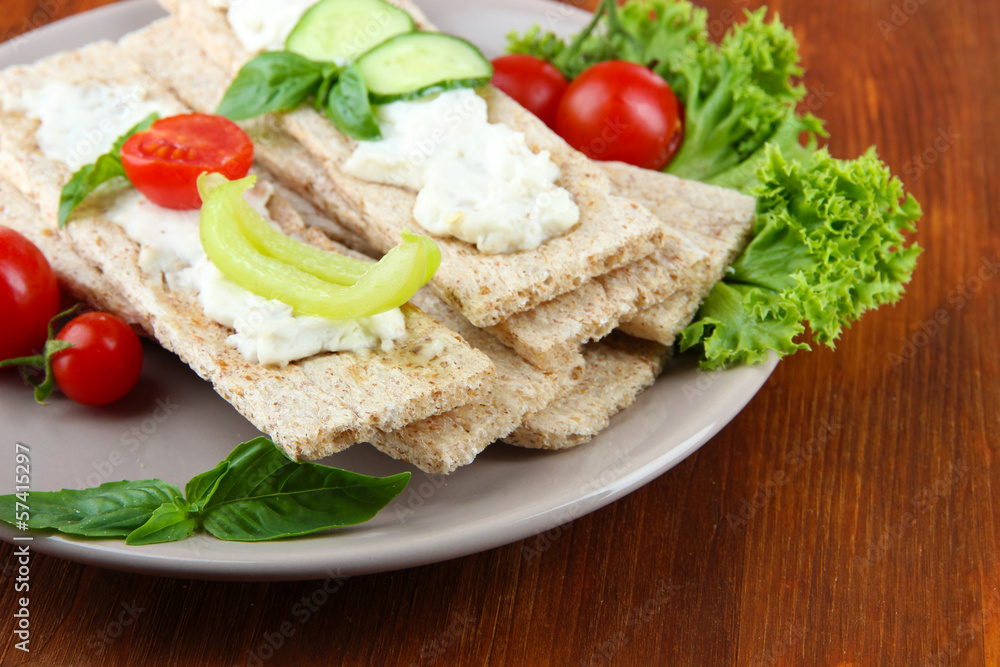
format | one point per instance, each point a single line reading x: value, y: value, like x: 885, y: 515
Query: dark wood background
x: 846, y: 517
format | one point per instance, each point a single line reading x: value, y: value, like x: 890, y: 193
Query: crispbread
x: 612, y: 231
x: 617, y: 369
x: 549, y: 335
x: 80, y: 279
x: 311, y: 408
x: 446, y: 441
x: 665, y: 321
x: 455, y: 437
x: 717, y: 219
x: 577, y: 405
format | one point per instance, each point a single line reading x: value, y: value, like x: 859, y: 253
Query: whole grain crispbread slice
x: 716, y: 219
x: 612, y: 231
x: 312, y: 407
x: 525, y: 406
x: 551, y: 335
x: 665, y: 321
x: 617, y: 370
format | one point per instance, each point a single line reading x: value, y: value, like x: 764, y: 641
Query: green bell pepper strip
x: 311, y: 281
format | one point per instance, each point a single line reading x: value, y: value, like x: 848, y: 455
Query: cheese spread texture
x: 81, y: 123
x: 266, y: 331
x: 475, y: 180
x: 263, y: 25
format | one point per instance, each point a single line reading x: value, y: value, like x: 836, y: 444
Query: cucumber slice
x: 418, y: 63
x: 341, y: 30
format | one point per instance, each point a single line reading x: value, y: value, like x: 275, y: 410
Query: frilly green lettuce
x: 830, y: 238
x: 829, y: 243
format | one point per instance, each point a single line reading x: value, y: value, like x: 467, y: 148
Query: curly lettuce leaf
x: 741, y: 323
x: 738, y: 97
x: 641, y: 31
x: 830, y: 242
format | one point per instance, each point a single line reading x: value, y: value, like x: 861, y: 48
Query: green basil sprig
x: 90, y: 176
x: 349, y: 108
x: 277, y: 81
x: 255, y: 494
x: 274, y: 81
x: 113, y: 509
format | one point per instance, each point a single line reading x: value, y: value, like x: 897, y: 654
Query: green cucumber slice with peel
x: 415, y: 64
x: 341, y: 30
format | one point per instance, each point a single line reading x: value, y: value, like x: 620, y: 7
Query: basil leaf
x: 349, y: 109
x: 113, y: 509
x: 86, y: 181
x: 256, y: 493
x: 170, y: 522
x: 201, y: 487
x: 90, y: 176
x: 272, y: 81
x: 265, y: 496
x: 323, y: 93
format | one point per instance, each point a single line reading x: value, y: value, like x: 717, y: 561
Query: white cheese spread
x: 266, y: 331
x: 475, y: 180
x: 263, y: 25
x: 81, y: 123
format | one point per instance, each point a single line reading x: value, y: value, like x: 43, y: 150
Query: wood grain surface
x: 846, y: 517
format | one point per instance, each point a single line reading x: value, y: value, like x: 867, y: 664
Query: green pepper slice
x: 260, y: 259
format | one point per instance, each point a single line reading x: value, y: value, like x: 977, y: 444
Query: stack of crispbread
x: 651, y: 297
x: 313, y: 407
x: 510, y: 355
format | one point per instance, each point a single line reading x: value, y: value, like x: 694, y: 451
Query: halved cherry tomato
x: 104, y: 363
x: 534, y: 83
x: 164, y: 162
x: 618, y: 110
x: 29, y: 295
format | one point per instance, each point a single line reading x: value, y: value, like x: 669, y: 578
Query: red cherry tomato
x: 617, y: 110
x: 29, y: 295
x: 535, y: 84
x: 104, y: 362
x: 164, y: 162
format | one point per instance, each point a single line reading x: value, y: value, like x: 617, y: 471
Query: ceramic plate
x: 174, y: 426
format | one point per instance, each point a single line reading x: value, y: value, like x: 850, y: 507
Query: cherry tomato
x: 535, y: 84
x: 104, y: 362
x: 29, y: 295
x: 617, y: 110
x: 164, y: 162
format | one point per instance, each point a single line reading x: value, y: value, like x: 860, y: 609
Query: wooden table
x: 846, y: 517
